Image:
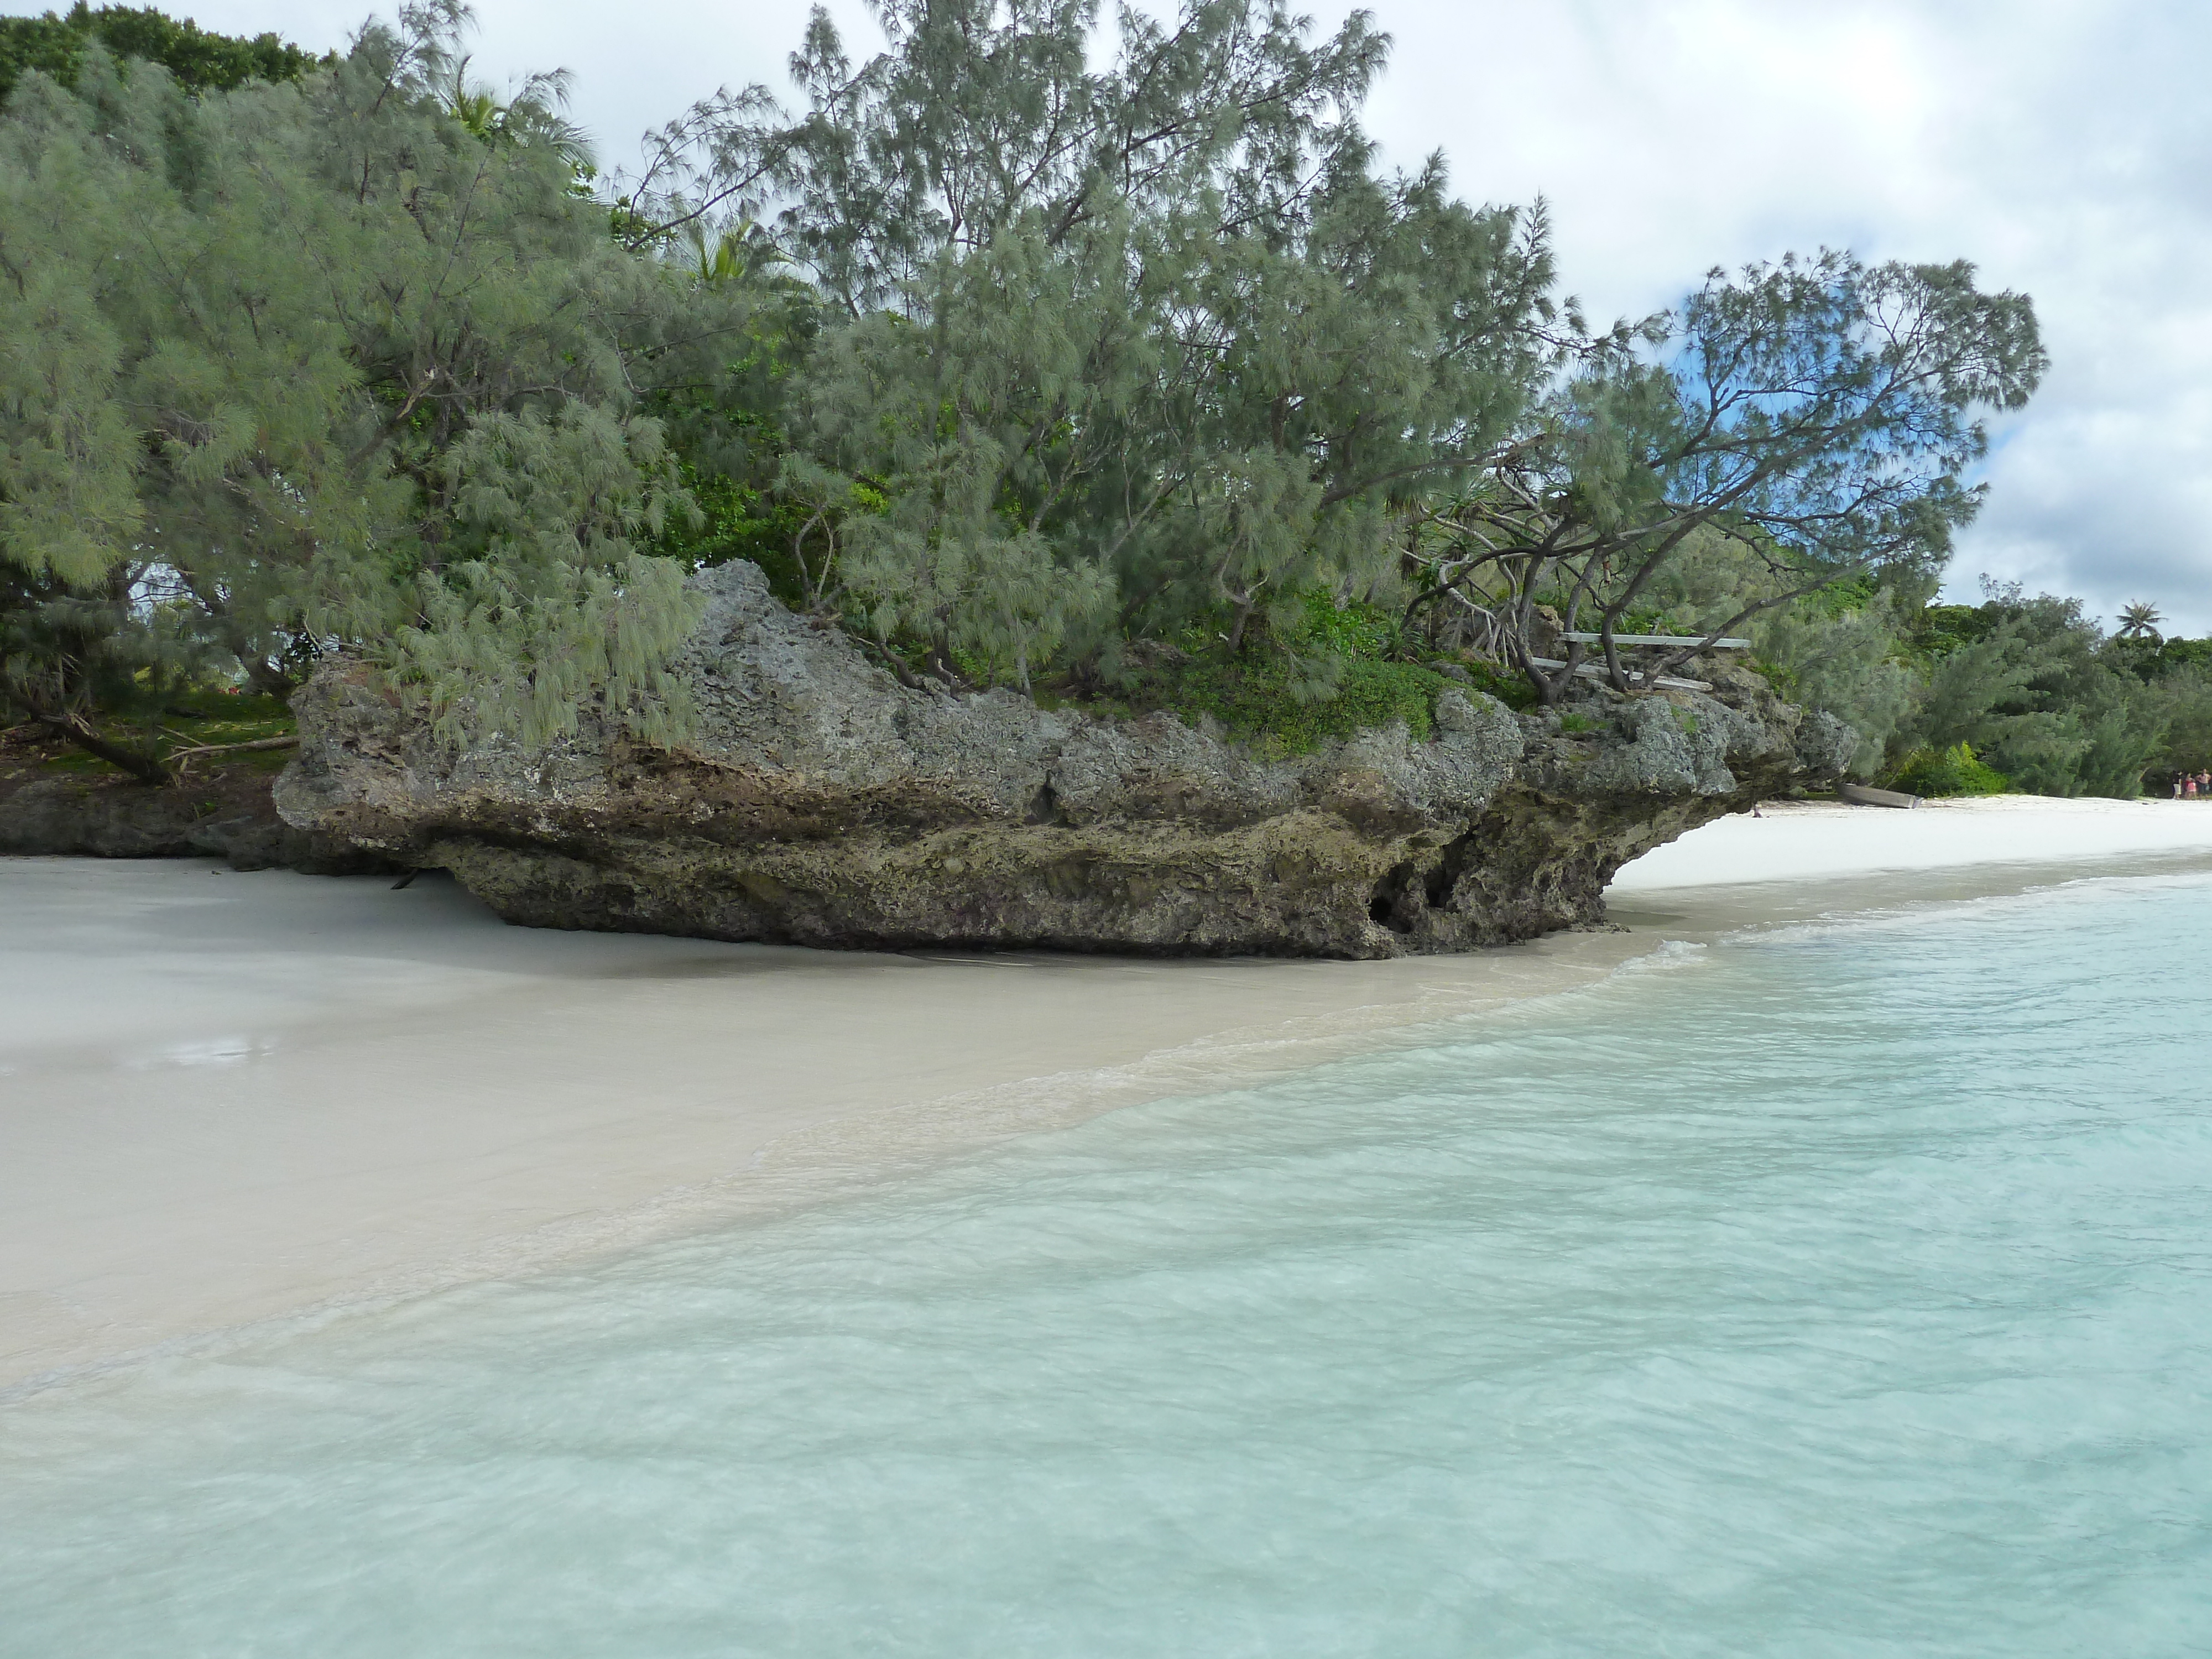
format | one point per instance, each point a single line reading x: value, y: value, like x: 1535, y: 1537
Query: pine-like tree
x: 295, y: 366
x: 1121, y: 348
x: 1011, y: 352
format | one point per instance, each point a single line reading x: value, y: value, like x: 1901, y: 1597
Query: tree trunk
x: 181, y: 757
x: 147, y: 768
x: 269, y: 681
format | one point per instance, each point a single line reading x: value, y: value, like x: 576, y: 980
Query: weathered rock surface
x: 223, y: 813
x: 822, y: 803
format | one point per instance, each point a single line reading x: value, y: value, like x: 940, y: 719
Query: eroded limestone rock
x: 822, y: 803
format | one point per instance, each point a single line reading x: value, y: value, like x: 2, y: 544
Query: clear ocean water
x: 1842, y: 1291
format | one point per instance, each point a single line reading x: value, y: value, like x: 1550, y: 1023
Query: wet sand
x: 227, y: 1098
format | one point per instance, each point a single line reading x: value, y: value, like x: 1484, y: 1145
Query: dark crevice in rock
x: 1044, y: 806
x: 1443, y: 877
x: 1383, y: 905
x: 1397, y: 901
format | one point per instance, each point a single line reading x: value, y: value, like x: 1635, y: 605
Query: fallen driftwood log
x: 1593, y: 671
x: 1698, y: 640
x: 180, y: 759
x: 1860, y: 794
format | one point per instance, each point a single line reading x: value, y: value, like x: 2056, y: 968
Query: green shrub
x: 1257, y: 701
x: 1338, y: 669
x: 1953, y: 771
x: 1350, y: 631
x: 1509, y: 687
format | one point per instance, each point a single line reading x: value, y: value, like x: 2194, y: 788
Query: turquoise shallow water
x: 1844, y: 1290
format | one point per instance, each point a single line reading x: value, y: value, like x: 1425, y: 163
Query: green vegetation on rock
x: 2037, y: 692
x: 1337, y: 669
x: 1111, y: 367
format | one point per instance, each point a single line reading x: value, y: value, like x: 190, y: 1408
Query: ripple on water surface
x: 1844, y: 1290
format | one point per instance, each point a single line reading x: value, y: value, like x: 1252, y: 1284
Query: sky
x: 2063, y: 146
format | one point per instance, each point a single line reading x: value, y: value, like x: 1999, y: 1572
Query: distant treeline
x: 2018, y: 692
x: 1110, y: 371
x: 56, y: 45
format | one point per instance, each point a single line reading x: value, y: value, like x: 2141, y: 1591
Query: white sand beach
x: 1811, y: 841
x: 227, y: 1098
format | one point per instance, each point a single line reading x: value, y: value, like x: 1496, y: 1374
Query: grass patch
x: 225, y: 717
x: 1509, y: 687
x: 78, y: 762
x: 212, y: 718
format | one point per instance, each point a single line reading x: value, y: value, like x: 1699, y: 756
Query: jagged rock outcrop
x: 222, y: 813
x: 821, y: 802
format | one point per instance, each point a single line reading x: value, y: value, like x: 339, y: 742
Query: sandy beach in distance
x: 227, y: 1098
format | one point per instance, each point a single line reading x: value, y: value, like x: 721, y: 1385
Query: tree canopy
x: 1820, y: 413
x: 58, y: 46
x: 1116, y: 348
x: 306, y: 363
x: 1024, y: 358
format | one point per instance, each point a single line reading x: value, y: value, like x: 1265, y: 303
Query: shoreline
x: 1805, y: 859
x: 238, y: 1100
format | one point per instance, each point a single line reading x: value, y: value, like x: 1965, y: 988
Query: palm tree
x: 2139, y: 621
x: 744, y: 249
x: 532, y: 116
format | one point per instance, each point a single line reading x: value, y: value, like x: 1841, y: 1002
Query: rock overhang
x: 820, y: 801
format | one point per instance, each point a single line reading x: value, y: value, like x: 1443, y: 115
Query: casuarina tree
x: 1119, y: 347
x: 1017, y: 350
x: 1820, y: 413
x: 308, y: 363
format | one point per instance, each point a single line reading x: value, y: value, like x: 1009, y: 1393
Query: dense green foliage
x: 199, y: 62
x: 2026, y: 683
x: 1122, y: 375
x: 300, y: 364
x: 1354, y: 659
x: 1954, y: 771
x: 2036, y: 694
x: 1132, y: 348
x: 1120, y: 349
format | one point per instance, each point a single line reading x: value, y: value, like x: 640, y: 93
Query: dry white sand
x: 1799, y: 842
x: 227, y: 1098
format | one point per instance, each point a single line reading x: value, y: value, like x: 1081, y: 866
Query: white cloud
x: 2065, y: 146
